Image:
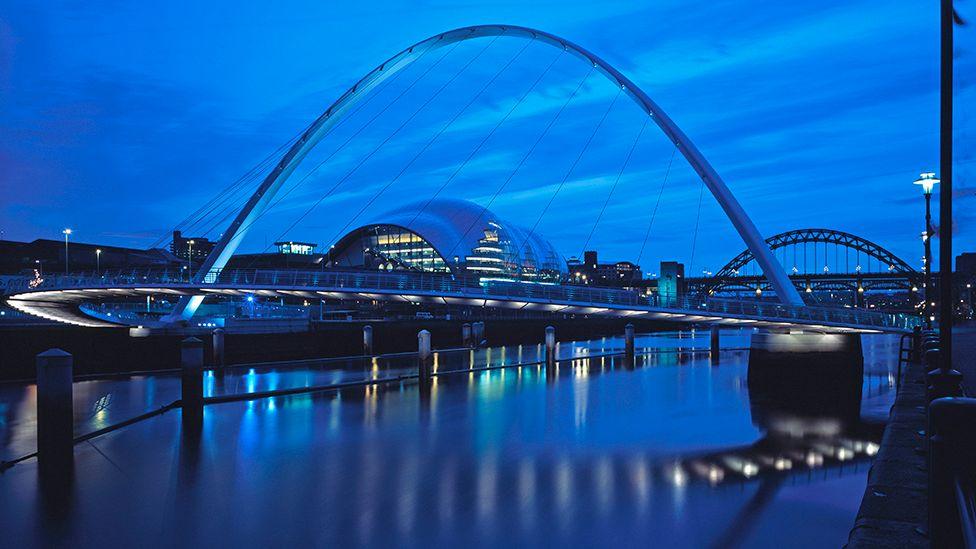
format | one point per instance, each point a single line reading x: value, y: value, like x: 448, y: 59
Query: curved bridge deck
x: 64, y: 298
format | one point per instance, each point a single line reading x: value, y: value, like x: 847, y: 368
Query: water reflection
x: 671, y: 450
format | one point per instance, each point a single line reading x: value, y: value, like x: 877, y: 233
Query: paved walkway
x: 894, y: 509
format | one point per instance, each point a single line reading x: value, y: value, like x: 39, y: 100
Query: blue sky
x: 120, y: 119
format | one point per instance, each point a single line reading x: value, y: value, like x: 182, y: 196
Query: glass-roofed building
x: 449, y: 236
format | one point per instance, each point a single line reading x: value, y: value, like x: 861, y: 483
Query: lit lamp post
x: 189, y: 258
x: 66, y: 232
x: 98, y: 260
x: 927, y: 181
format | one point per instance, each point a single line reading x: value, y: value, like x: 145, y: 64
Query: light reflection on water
x: 602, y: 454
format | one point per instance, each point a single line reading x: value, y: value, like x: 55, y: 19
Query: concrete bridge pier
x: 810, y: 374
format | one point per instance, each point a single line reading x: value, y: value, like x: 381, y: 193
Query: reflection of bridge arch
x: 234, y: 234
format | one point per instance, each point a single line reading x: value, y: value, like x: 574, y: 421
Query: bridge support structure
x: 807, y: 374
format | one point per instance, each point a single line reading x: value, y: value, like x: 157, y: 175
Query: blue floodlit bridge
x: 817, y: 260
x: 75, y: 299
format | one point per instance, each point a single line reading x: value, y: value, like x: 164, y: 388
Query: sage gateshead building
x: 449, y: 236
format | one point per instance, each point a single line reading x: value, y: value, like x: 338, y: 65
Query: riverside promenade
x: 894, y: 510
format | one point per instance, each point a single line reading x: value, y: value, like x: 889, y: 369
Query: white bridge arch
x: 255, y: 206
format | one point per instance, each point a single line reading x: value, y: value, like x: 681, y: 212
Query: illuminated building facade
x: 449, y: 236
x: 296, y: 248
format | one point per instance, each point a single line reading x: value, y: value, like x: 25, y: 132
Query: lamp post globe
x: 66, y: 232
x: 927, y: 181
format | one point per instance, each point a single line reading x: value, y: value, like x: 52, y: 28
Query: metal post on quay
x: 550, y: 349
x: 219, y: 359
x: 714, y: 347
x: 424, y: 366
x: 952, y: 470
x: 368, y: 340
x: 55, y: 414
x: 191, y: 365
x: 629, y: 345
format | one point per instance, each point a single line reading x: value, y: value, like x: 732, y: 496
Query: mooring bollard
x: 368, y: 340
x: 550, y: 348
x: 423, y: 356
x: 55, y: 416
x: 916, y: 353
x: 952, y: 459
x: 466, y: 335
x: 191, y: 363
x: 629, y: 344
x: 714, y: 346
x: 478, y: 333
x: 219, y: 360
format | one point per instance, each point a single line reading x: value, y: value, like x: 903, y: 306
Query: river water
x: 672, y: 452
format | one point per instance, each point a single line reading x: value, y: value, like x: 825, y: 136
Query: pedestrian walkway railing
x: 446, y: 285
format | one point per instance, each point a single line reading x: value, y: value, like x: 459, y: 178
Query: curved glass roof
x: 454, y: 228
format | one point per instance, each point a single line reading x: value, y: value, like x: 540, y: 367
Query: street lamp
x: 98, y: 260
x: 927, y: 181
x: 189, y: 257
x: 66, y: 232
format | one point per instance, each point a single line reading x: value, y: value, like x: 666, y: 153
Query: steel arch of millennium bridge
x: 62, y: 297
x: 233, y: 236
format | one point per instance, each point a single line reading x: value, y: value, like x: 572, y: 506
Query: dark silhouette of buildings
x: 591, y: 272
x: 194, y: 249
x: 46, y: 255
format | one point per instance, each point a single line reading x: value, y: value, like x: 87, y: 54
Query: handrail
x: 966, y: 504
x: 448, y: 285
x: 952, y: 472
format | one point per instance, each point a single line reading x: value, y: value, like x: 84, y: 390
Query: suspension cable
x: 521, y: 162
x: 694, y: 241
x: 623, y: 167
x: 490, y: 133
x: 660, y: 194
x: 432, y: 139
x: 204, y: 210
x: 228, y: 211
x: 349, y: 173
x: 570, y: 171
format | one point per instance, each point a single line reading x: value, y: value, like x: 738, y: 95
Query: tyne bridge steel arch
x: 820, y: 236
x: 234, y: 234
